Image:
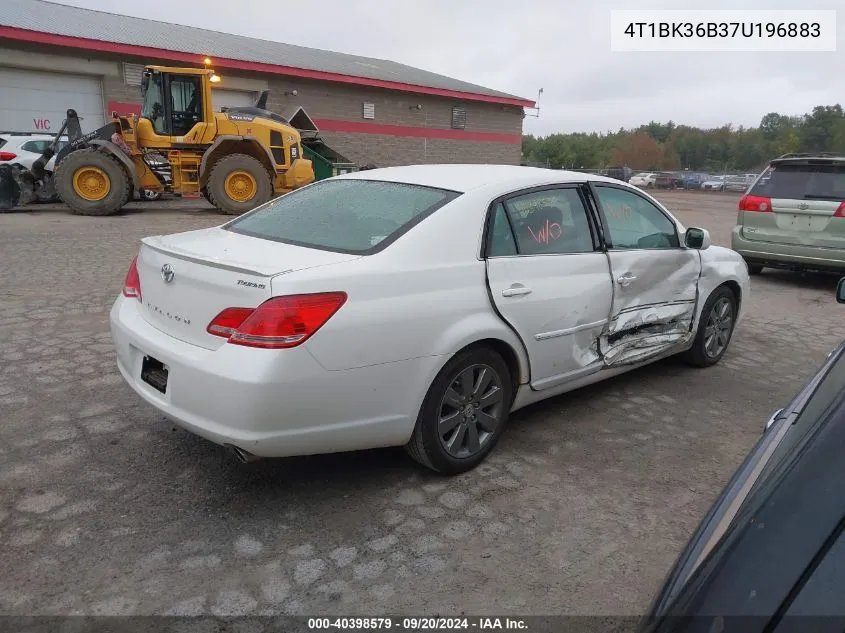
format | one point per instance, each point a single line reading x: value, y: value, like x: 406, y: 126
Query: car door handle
x: 626, y: 279
x: 516, y: 291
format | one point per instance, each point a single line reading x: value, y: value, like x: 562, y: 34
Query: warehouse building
x: 54, y: 57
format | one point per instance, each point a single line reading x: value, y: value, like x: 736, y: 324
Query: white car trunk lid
x: 189, y: 278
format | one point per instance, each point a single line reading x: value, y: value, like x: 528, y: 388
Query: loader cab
x: 176, y: 103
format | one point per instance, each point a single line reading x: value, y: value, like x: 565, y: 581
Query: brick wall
x: 114, y: 89
x: 386, y: 151
x: 339, y: 102
x: 323, y: 100
x: 345, y: 103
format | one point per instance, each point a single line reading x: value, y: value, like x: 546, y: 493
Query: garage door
x: 232, y: 98
x: 33, y: 101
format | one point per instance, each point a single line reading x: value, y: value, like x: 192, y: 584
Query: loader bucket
x: 17, y: 186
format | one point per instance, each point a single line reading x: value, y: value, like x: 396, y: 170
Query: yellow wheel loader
x: 238, y: 158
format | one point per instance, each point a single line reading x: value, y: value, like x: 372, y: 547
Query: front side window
x: 550, y: 222
x: 634, y: 222
x: 348, y: 216
x: 153, y: 107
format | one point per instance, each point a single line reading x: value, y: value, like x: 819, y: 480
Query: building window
x: 369, y: 110
x: 459, y: 118
x: 132, y: 74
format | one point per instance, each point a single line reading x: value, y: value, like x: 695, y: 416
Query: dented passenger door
x: 655, y: 277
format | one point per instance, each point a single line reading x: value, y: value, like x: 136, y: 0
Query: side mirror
x: 840, y: 291
x: 697, y: 238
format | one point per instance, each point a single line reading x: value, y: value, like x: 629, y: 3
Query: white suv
x: 24, y: 148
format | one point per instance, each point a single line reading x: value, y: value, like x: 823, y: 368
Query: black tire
x: 119, y: 184
x: 216, y: 187
x: 754, y: 269
x: 427, y: 447
x: 698, y: 355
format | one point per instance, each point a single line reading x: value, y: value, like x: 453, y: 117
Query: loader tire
x: 238, y: 183
x: 91, y: 182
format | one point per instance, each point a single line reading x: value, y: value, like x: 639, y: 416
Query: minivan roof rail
x: 813, y: 155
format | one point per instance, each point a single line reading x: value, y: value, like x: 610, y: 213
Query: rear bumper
x: 788, y: 256
x: 271, y: 403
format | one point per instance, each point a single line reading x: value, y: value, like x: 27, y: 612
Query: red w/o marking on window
x: 549, y: 232
x: 618, y: 212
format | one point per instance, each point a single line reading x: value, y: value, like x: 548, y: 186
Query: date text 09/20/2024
x: 432, y: 624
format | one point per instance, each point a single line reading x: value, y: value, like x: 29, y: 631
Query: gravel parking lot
x: 107, y: 509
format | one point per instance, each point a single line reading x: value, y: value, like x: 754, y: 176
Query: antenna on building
x: 536, y: 107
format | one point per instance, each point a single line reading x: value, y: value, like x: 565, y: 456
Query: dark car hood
x: 756, y: 568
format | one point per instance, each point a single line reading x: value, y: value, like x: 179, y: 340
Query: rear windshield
x: 802, y: 182
x: 2, y: 142
x: 348, y: 216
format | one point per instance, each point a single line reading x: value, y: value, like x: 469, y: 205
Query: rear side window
x: 502, y: 243
x: 550, y: 222
x: 802, y: 182
x: 348, y: 216
x: 37, y: 147
x: 2, y: 142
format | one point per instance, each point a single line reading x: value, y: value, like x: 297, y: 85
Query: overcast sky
x: 563, y: 46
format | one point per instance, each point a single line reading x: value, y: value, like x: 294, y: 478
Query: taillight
x: 279, y: 322
x: 225, y: 323
x: 8, y: 156
x: 755, y: 203
x: 840, y: 212
x: 132, y: 285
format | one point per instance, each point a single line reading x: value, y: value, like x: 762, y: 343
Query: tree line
x: 668, y: 146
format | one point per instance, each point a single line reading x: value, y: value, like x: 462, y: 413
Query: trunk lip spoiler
x: 154, y: 243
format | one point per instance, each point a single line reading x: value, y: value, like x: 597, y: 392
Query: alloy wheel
x: 470, y: 411
x: 717, y: 332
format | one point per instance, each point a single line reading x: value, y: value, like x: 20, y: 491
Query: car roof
x: 20, y: 139
x: 823, y: 158
x: 465, y: 178
x: 782, y: 530
x: 28, y: 135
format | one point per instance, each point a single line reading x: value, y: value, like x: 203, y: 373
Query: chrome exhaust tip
x: 243, y: 456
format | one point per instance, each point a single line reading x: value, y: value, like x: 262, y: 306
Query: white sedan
x: 645, y: 180
x: 416, y: 306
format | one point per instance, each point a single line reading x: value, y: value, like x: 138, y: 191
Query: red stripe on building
x: 123, y: 109
x: 359, y: 127
x: 39, y: 37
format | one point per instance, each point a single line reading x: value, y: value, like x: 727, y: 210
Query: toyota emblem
x: 167, y: 273
x: 803, y: 205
